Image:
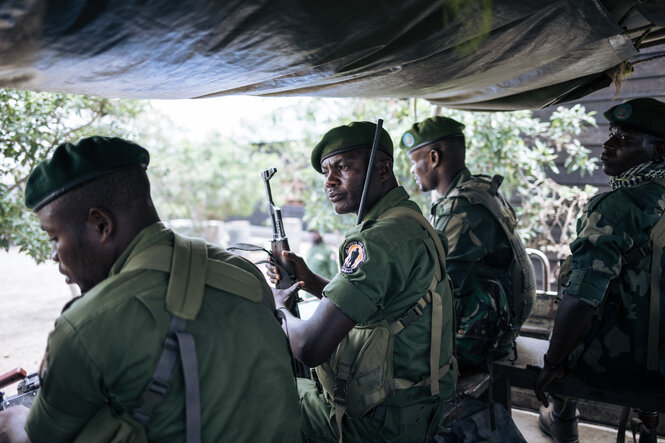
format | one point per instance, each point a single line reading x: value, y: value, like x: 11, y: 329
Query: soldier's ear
x: 658, y: 147
x: 434, y: 157
x: 102, y: 223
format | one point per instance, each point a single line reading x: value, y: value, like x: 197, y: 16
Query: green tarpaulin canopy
x: 476, y: 54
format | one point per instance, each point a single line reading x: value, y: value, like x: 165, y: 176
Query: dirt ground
x: 31, y: 297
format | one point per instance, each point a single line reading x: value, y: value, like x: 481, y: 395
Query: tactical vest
x: 359, y: 375
x: 190, y: 270
x: 482, y: 190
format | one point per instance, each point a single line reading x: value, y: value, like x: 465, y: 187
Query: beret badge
x: 408, y: 140
x: 623, y: 111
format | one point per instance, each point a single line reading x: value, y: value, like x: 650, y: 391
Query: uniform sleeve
x: 597, y: 251
x: 369, y: 270
x: 70, y: 392
x: 470, y: 231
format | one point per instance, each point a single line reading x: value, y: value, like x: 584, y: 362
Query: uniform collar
x: 155, y: 233
x: 390, y: 200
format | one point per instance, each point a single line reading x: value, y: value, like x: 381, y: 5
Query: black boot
x: 560, y: 420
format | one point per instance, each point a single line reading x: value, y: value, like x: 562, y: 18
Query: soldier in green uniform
x: 608, y: 328
x: 492, y: 276
x: 383, y: 329
x: 142, y: 283
x: 320, y: 257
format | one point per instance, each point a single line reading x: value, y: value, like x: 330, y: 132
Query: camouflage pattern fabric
x: 477, y: 262
x: 604, y: 273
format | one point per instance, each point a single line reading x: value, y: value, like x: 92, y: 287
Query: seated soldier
x: 108, y: 373
x: 608, y: 328
x: 382, y: 334
x: 492, y: 276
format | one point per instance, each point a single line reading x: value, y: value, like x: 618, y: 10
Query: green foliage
x: 33, y: 125
x: 516, y: 145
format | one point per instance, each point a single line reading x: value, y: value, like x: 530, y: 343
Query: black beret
x: 74, y: 164
x: 642, y: 114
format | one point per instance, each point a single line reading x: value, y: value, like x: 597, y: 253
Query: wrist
x: 552, y: 366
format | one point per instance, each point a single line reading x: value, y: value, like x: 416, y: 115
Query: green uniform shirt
x: 386, y: 266
x: 106, y: 346
x: 478, y: 250
x: 612, y: 224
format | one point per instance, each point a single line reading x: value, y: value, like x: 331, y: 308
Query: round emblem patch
x: 623, y: 112
x: 355, y: 256
x: 408, y: 139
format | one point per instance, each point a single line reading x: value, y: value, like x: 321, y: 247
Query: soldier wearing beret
x: 491, y: 274
x: 159, y: 333
x: 609, y: 325
x: 381, y: 332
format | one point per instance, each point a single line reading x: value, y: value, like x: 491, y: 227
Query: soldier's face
x: 73, y: 249
x: 344, y: 177
x: 421, y: 168
x: 624, y: 149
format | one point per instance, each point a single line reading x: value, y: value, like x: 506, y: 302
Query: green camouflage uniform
x: 105, y: 348
x: 612, y: 225
x: 389, y: 269
x: 477, y: 262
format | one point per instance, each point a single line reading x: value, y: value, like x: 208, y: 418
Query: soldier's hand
x: 545, y: 377
x: 302, y: 272
x: 284, y: 298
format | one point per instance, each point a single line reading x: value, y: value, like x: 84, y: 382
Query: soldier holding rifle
x: 381, y: 337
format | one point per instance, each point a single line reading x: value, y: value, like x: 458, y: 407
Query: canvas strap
x: 190, y: 270
x: 432, y: 297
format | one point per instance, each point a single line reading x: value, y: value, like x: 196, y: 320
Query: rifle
x: 26, y: 390
x: 279, y: 242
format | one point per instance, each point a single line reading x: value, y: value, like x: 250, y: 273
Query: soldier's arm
x: 572, y: 320
x: 314, y: 340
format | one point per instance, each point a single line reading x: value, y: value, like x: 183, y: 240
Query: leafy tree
x: 33, y: 125
x: 516, y: 145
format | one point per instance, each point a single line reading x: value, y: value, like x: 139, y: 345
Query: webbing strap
x: 219, y: 275
x: 431, y: 296
x: 339, y: 393
x: 159, y: 385
x: 658, y: 240
x: 403, y: 383
x: 190, y: 370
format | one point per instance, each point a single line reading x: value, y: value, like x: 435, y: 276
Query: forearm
x: 572, y: 320
x: 315, y: 284
x: 312, y: 341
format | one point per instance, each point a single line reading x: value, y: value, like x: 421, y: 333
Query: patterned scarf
x: 637, y: 174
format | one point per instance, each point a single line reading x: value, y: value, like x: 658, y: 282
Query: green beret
x: 429, y: 131
x: 641, y: 114
x: 74, y: 164
x: 356, y: 135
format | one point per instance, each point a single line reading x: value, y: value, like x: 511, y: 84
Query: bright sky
x: 194, y: 118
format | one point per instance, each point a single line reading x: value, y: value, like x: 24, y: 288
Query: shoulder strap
x: 190, y: 270
x: 432, y: 297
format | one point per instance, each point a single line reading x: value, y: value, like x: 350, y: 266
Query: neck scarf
x: 652, y: 169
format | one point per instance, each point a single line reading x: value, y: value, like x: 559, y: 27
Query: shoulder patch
x: 355, y: 254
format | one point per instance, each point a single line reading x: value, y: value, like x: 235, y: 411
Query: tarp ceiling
x: 468, y: 54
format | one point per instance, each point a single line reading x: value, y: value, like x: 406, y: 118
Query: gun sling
x: 190, y: 271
